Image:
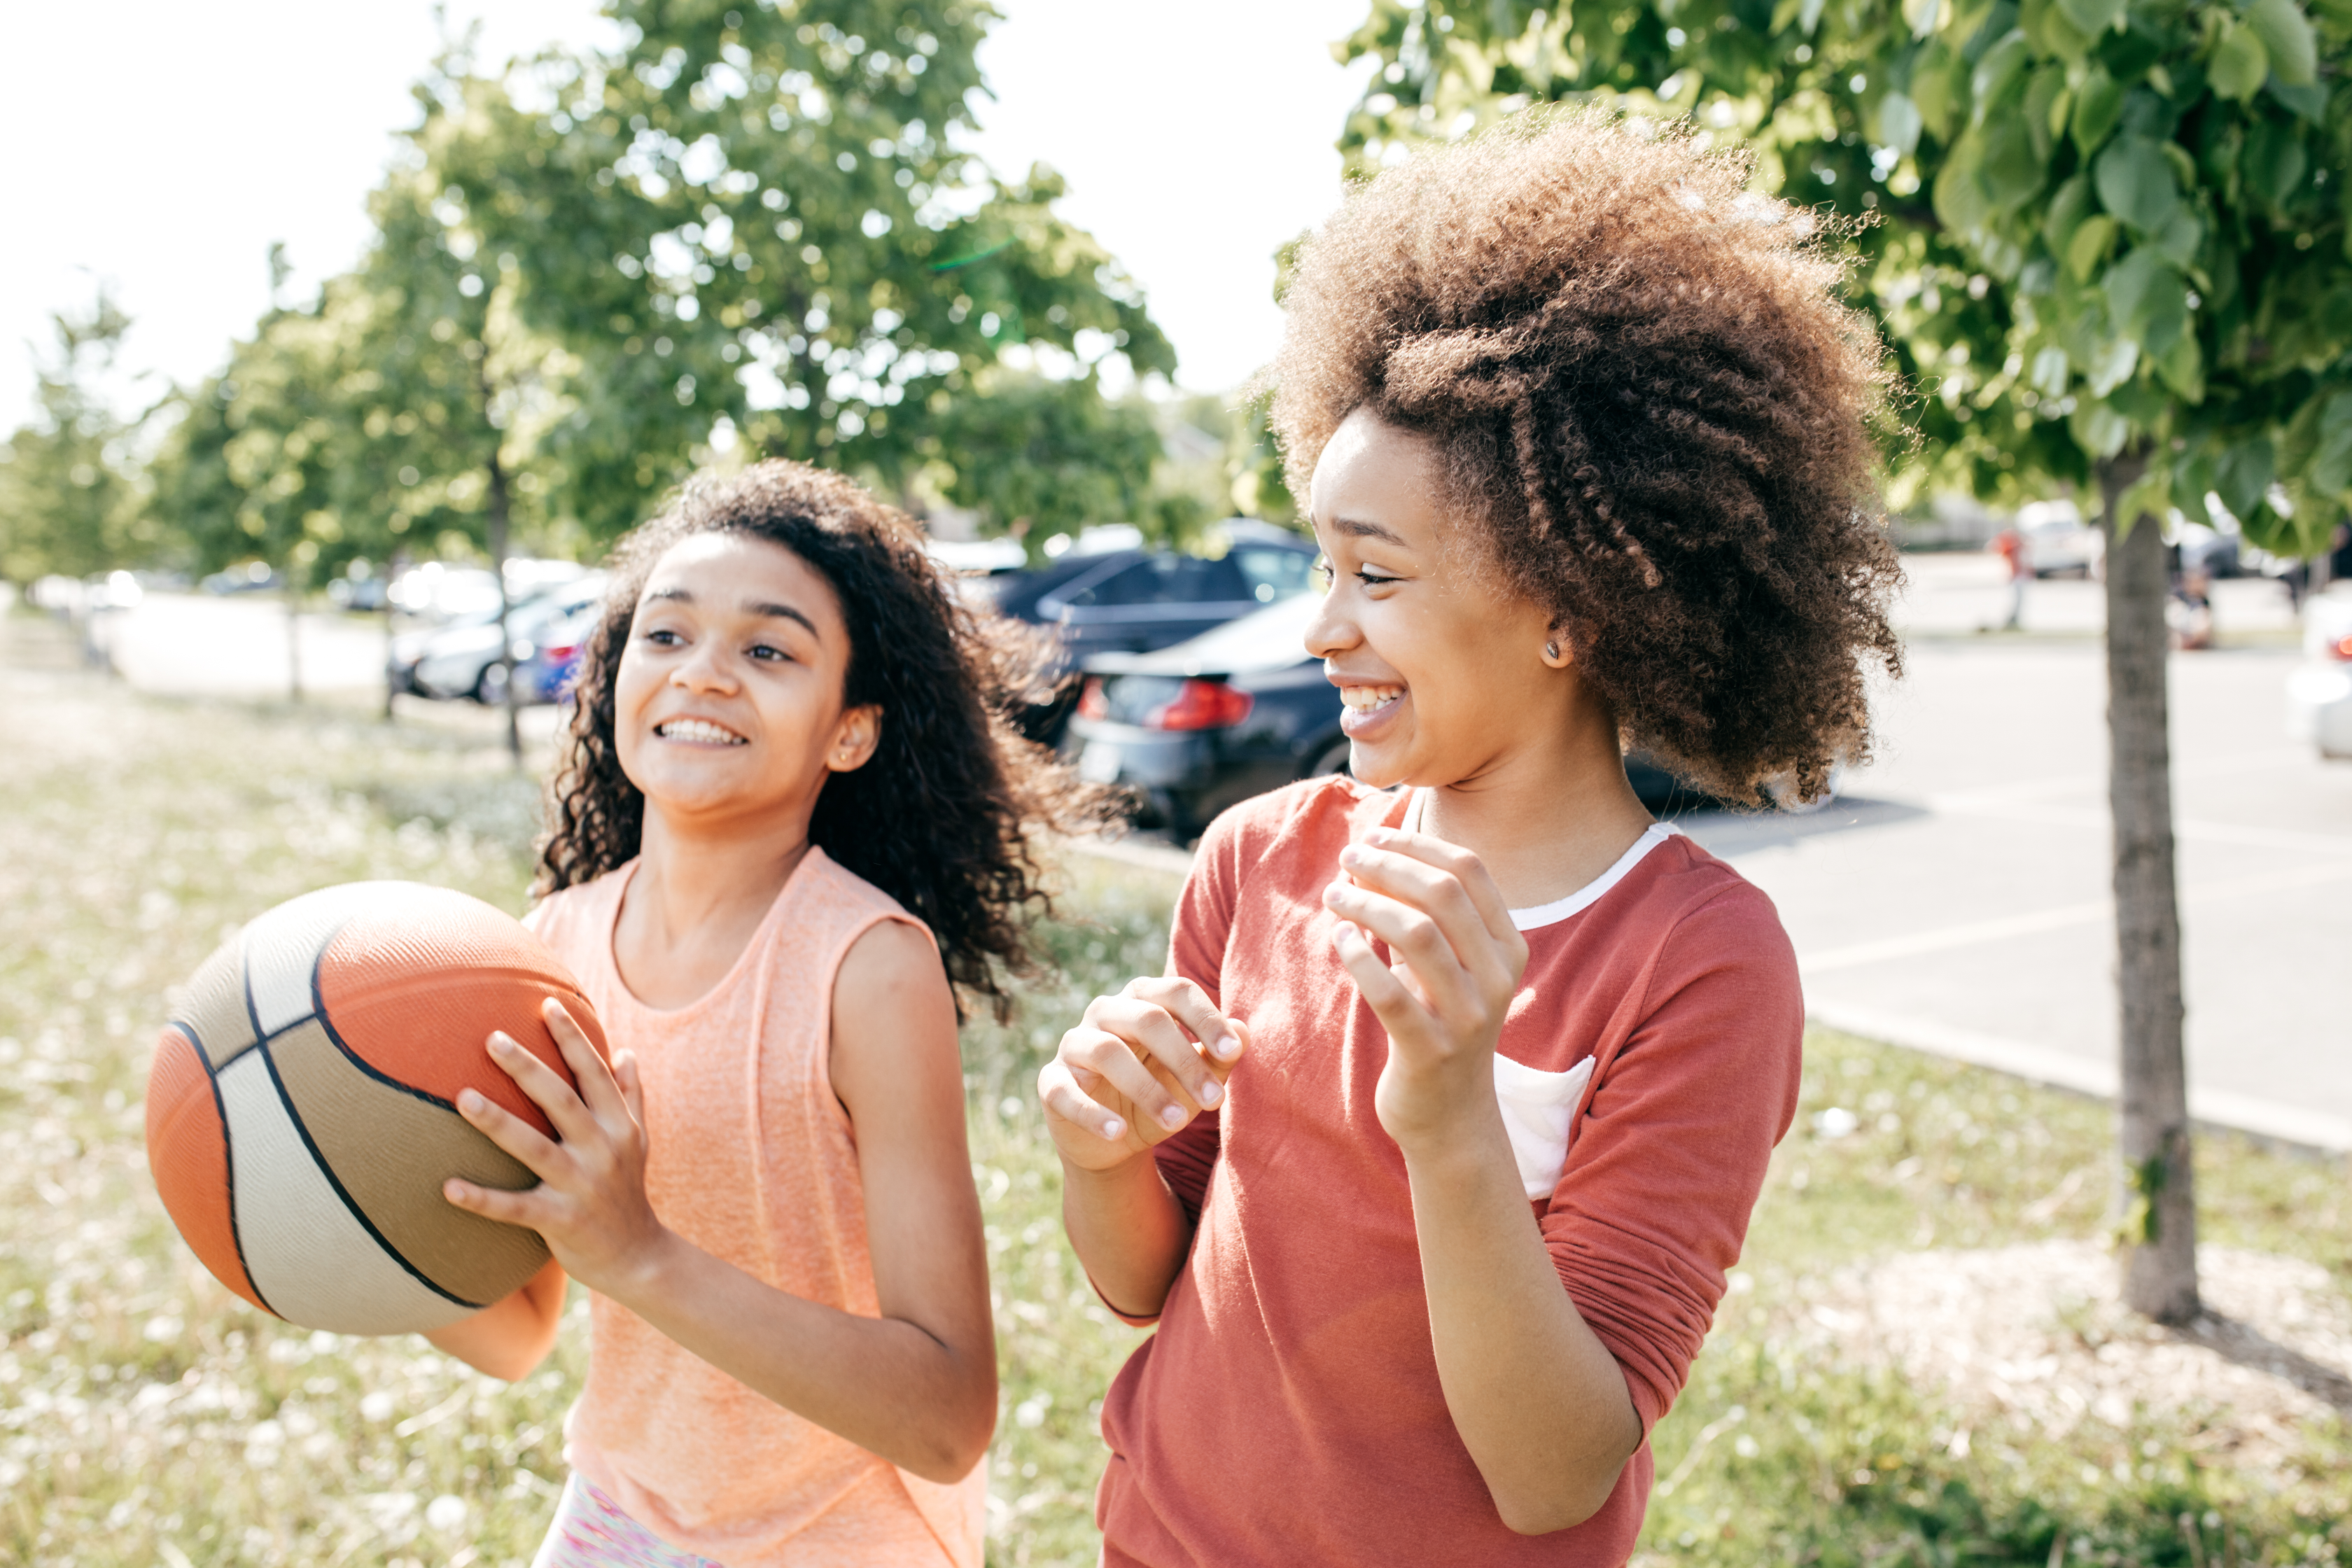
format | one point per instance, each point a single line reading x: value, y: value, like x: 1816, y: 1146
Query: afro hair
x: 1646, y: 393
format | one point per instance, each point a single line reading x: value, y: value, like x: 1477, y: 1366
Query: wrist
x: 639, y: 1275
x: 1462, y: 1142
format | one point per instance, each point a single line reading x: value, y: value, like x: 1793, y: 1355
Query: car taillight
x: 2343, y: 649
x: 1092, y: 704
x: 1202, y: 705
x: 558, y: 655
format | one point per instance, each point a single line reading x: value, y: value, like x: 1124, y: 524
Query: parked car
x: 2058, y: 541
x: 461, y: 659
x: 545, y: 667
x: 2319, y: 691
x: 1240, y: 710
x: 252, y: 577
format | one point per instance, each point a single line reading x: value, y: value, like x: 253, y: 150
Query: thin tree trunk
x: 2159, y: 1231
x: 293, y: 640
x: 498, y: 519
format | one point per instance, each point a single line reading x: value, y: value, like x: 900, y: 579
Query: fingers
x: 1190, y: 1005
x: 1400, y: 1013
x: 545, y: 1087
x: 509, y: 1131
x: 1419, y: 942
x: 1455, y: 894
x: 633, y: 1089
x: 1057, y: 1089
x: 1393, y: 850
x: 1148, y: 1086
x: 523, y: 1208
x: 595, y: 1076
x: 1151, y: 1032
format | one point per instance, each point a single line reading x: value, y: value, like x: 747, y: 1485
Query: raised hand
x: 1138, y: 1067
x: 590, y: 1202
x: 1443, y: 999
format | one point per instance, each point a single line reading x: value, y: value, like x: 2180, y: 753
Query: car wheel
x: 490, y: 686
x: 1331, y: 759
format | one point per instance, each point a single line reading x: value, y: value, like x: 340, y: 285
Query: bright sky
x: 1195, y: 138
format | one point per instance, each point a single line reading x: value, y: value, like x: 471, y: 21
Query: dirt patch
x: 2037, y: 1333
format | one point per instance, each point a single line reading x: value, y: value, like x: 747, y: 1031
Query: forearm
x: 508, y: 1338
x: 1129, y: 1231
x: 1538, y: 1399
x: 887, y: 1384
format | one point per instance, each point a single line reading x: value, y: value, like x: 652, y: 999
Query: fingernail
x: 452, y: 1190
x: 501, y: 1045
x: 1380, y: 836
x: 1172, y: 1117
x: 1227, y: 1046
x: 1336, y: 890
x: 1352, y: 856
x: 1114, y: 1129
x: 470, y: 1101
x: 1210, y: 1095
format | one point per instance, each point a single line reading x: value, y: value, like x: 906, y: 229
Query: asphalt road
x: 1956, y: 899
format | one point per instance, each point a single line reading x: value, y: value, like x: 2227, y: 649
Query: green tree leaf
x: 2240, y: 64
x: 2098, y: 108
x: 2244, y: 472
x: 2092, y: 17
x: 2089, y: 246
x: 2287, y: 34
x: 2274, y: 161
x: 2136, y: 181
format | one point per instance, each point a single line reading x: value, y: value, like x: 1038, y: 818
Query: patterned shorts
x: 590, y: 1531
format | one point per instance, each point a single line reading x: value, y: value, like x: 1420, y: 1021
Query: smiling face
x: 1443, y: 670
x: 727, y: 701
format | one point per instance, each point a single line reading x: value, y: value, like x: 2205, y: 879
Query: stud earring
x: 1552, y: 650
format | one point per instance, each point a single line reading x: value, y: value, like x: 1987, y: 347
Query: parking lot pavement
x: 1967, y: 593
x: 1956, y: 899
x: 201, y: 644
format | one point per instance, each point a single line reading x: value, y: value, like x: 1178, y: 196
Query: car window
x: 1273, y: 573
x: 1166, y: 579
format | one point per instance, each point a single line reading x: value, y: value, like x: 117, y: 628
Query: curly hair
x: 1641, y: 382
x: 942, y: 817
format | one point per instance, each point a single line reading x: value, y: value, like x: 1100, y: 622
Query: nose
x: 704, y: 668
x: 1331, y: 631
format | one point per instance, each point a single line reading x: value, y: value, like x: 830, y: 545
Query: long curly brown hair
x: 1643, y: 386
x: 944, y: 816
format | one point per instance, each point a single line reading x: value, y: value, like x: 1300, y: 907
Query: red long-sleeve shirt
x: 1288, y: 1409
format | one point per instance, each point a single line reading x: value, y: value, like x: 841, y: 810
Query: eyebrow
x: 1356, y: 528
x: 757, y: 607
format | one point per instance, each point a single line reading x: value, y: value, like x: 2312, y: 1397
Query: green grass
x: 147, y: 1417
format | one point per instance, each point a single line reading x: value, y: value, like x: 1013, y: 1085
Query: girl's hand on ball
x: 590, y: 1204
x: 1457, y: 962
x: 1139, y: 1066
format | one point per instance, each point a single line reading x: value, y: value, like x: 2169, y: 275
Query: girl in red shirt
x: 1431, y: 1151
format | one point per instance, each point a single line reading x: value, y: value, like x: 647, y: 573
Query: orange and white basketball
x: 301, y: 1108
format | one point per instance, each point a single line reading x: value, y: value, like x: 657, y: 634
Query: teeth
x: 698, y: 729
x: 1369, y: 696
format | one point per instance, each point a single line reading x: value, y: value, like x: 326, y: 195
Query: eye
x: 1322, y: 569
x: 769, y: 653
x: 662, y: 636
x: 1372, y: 578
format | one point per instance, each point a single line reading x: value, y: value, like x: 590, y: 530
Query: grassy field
x: 147, y: 1417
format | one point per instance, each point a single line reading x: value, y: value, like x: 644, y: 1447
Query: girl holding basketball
x: 1430, y: 1152
x: 790, y: 821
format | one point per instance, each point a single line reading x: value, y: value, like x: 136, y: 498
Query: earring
x: 1552, y: 650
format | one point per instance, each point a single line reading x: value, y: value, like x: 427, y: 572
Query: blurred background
x: 341, y: 343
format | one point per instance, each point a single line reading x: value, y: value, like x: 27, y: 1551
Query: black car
x: 1197, y: 727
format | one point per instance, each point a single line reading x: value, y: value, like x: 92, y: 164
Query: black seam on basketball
x: 318, y: 1015
x: 319, y: 1158
x: 228, y: 1158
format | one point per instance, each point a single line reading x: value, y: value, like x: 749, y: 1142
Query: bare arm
x: 1138, y: 1068
x: 1538, y: 1399
x: 916, y: 1385
x: 509, y: 1339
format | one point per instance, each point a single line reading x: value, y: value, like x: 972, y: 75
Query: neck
x: 692, y: 875
x: 1546, y: 820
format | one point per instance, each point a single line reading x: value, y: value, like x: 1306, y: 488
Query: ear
x: 853, y: 739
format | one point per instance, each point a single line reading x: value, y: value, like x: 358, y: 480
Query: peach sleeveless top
x: 754, y: 1160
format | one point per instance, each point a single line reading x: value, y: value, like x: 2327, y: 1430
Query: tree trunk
x: 293, y: 640
x: 498, y: 517
x: 2159, y: 1230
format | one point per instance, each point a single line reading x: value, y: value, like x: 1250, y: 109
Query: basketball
x: 301, y: 1110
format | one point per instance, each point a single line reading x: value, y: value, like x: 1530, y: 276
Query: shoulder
x: 1303, y: 819
x: 583, y: 906
x: 1711, y: 930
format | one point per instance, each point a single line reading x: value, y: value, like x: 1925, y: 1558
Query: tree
x: 2130, y: 272
x: 755, y: 222
x: 67, y: 479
